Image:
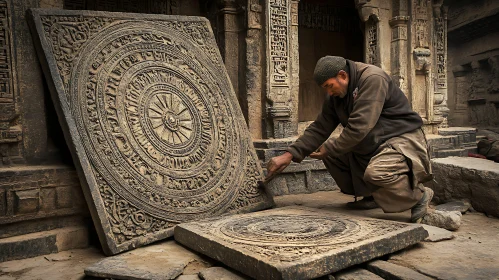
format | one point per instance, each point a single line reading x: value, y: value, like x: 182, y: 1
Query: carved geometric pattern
x: 278, y: 13
x: 291, y: 239
x: 154, y: 122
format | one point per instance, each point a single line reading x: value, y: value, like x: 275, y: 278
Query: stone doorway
x: 326, y: 27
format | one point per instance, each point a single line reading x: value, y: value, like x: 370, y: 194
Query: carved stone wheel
x: 154, y: 121
x: 296, y: 242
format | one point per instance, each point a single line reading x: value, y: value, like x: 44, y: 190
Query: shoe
x: 365, y: 203
x: 421, y: 208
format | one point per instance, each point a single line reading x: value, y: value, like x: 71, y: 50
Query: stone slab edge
x: 326, y: 263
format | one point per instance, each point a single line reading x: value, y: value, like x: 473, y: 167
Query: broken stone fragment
x: 436, y: 234
x: 461, y: 206
x: 450, y: 220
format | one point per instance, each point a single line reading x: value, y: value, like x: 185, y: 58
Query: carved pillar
x: 229, y: 40
x: 399, y: 45
x: 421, y: 80
x: 254, y: 71
x: 376, y: 15
x: 440, y: 61
x: 10, y: 125
x: 280, y: 93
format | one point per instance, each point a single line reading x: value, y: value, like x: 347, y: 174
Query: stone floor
x: 472, y: 254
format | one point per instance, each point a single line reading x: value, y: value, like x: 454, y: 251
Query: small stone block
x: 296, y: 242
x: 461, y: 206
x: 47, y: 199
x: 220, y: 273
x: 165, y: 260
x: 64, y: 197
x: 436, y: 234
x: 27, y: 201
x: 356, y: 274
x: 388, y: 270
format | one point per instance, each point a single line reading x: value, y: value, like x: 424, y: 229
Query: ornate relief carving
x: 327, y: 17
x: 279, y: 42
x: 10, y: 130
x: 372, y: 54
x: 293, y: 239
x: 421, y: 22
x: 157, y: 126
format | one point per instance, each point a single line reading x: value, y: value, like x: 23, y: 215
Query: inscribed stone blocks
x: 295, y: 242
x: 151, y: 119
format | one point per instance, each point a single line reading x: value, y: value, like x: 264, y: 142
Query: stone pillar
x: 281, y: 94
x: 421, y: 79
x: 440, y: 61
x: 399, y: 45
x: 254, y: 71
x: 229, y: 40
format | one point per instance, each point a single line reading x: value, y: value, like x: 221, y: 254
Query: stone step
x: 392, y: 271
x: 451, y: 153
x: 473, y: 179
x: 43, y: 242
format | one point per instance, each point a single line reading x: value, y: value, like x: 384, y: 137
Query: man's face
x: 337, y: 86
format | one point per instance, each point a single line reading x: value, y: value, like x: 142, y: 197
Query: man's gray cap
x: 328, y: 67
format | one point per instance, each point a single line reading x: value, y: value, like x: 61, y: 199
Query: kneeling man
x: 381, y: 154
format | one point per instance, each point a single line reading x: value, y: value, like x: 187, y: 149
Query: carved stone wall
x: 473, y: 75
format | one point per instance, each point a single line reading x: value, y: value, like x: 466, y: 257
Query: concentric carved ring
x: 289, y: 230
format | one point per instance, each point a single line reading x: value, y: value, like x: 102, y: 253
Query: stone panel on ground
x: 166, y: 260
x: 296, y: 242
x: 152, y: 121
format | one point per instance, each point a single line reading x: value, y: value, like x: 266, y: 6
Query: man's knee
x: 375, y: 175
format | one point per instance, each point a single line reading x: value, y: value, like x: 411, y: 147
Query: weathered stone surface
x: 188, y: 277
x: 356, y: 274
x: 166, y: 260
x: 436, y: 234
x: 450, y: 220
x: 295, y: 242
x: 461, y: 206
x: 38, y: 192
x: 152, y: 121
x: 41, y: 243
x: 220, y: 273
x: 394, y: 272
x: 473, y: 179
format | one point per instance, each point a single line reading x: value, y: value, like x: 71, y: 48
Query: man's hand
x: 321, y: 153
x: 277, y: 164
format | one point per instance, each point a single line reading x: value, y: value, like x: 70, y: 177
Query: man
x: 381, y: 154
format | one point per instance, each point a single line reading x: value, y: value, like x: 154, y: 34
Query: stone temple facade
x: 442, y: 53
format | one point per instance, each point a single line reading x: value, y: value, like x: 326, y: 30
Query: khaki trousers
x: 386, y: 176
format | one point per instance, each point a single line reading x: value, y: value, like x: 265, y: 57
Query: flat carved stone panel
x: 152, y: 120
x: 296, y: 242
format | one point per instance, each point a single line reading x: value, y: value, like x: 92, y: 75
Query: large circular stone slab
x: 154, y: 122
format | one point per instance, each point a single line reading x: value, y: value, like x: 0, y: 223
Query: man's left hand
x: 321, y: 153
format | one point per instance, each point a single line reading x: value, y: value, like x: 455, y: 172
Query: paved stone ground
x: 472, y: 254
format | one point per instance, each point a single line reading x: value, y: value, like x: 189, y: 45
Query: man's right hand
x: 277, y: 164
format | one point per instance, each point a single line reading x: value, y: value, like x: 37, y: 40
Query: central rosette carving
x: 170, y: 118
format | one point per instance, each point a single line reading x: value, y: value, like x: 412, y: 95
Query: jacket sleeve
x: 315, y: 134
x: 367, y: 108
